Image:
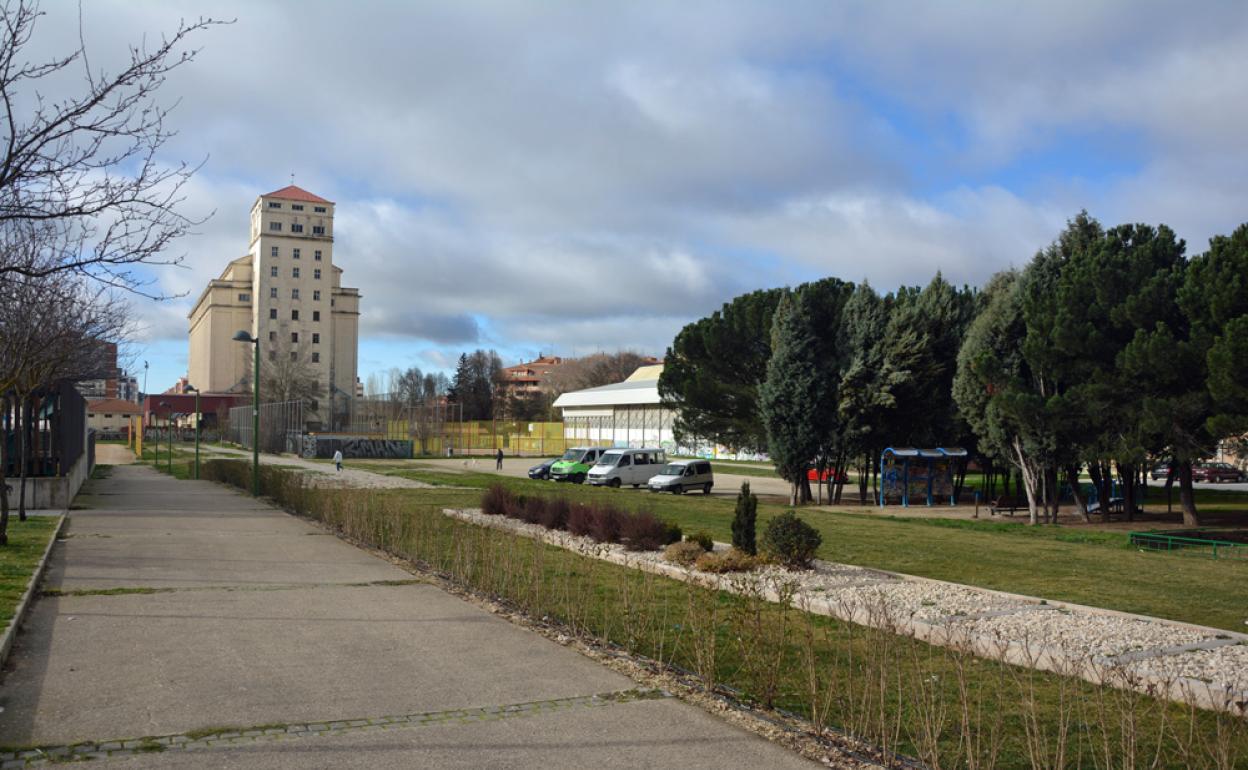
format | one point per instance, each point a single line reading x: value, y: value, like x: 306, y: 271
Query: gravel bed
x: 1222, y: 666
x: 1076, y: 636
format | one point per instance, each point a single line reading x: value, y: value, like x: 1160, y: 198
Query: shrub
x: 703, y: 539
x: 791, y: 541
x: 643, y: 531
x: 497, y: 500
x: 556, y: 514
x: 674, y: 533
x: 604, y: 523
x: 581, y: 519
x: 743, y: 521
x: 683, y: 553
x: 731, y: 560
x: 533, y: 511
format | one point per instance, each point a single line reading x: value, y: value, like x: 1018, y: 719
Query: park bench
x: 1006, y: 504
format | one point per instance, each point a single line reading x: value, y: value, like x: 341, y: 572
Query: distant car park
x: 1216, y: 473
x: 541, y: 471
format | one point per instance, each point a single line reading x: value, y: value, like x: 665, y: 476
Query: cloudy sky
x: 580, y: 176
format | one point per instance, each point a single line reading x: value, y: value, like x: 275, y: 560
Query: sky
x: 570, y: 177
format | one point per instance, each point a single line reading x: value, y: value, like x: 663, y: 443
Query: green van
x: 575, y: 463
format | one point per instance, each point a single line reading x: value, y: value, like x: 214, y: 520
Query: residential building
x: 527, y: 378
x: 110, y: 417
x: 286, y: 292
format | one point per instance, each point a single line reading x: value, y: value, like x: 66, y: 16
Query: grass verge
x: 27, y: 542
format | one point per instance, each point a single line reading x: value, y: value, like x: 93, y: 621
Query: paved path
x: 198, y: 617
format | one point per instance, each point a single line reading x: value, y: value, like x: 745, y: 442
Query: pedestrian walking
x: 498, y: 461
x: 338, y: 459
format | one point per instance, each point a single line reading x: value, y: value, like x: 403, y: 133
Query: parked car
x: 541, y: 471
x: 1160, y: 472
x: 681, y: 475
x: 575, y: 463
x: 1216, y: 472
x: 618, y: 467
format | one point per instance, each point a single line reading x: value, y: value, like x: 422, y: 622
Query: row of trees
x: 85, y: 206
x: 1109, y: 350
x: 827, y: 374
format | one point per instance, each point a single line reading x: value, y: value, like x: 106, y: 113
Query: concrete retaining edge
x: 19, y: 614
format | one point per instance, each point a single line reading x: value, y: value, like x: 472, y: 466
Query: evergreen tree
x: 744, y: 521
x: 792, y: 391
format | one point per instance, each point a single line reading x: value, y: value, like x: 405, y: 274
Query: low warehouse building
x: 625, y: 414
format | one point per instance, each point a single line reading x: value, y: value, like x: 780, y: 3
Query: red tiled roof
x: 292, y: 193
x: 112, y: 405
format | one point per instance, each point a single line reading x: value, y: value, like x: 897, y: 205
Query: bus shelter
x: 909, y: 474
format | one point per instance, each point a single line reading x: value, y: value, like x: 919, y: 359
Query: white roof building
x: 627, y: 413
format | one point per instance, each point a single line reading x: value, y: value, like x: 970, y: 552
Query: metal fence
x: 1194, y: 546
x: 281, y: 426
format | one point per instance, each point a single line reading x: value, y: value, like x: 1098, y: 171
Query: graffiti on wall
x: 352, y: 448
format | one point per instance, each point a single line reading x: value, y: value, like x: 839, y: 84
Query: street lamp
x: 168, y: 427
x: 190, y: 389
x: 242, y: 336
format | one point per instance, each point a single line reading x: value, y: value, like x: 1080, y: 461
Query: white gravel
x: 1069, y: 638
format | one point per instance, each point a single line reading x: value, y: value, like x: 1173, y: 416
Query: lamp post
x: 189, y: 389
x: 169, y: 428
x: 242, y: 336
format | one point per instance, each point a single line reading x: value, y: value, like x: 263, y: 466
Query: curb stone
x: 23, y: 605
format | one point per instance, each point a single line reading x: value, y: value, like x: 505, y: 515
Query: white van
x: 618, y: 467
x: 681, y: 475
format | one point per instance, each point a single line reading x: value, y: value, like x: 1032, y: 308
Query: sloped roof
x: 293, y: 193
x: 642, y: 387
x: 112, y: 405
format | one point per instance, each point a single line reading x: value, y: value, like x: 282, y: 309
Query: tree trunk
x: 1029, y: 478
x: 4, y: 486
x: 1072, y: 478
x: 1187, y: 500
x: 1127, y: 474
x: 23, y: 411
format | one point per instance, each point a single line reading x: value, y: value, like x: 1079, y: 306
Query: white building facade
x: 623, y: 414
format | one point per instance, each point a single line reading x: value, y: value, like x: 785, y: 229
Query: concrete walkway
x: 231, y: 634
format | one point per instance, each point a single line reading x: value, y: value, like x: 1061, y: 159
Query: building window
x: 318, y: 229
x: 273, y: 312
x: 108, y: 417
x: 294, y: 338
x: 296, y: 207
x: 318, y: 255
x: 274, y: 205
x: 272, y: 355
x: 294, y: 315
x: 319, y: 209
x: 331, y: 303
x: 272, y: 292
x: 294, y: 356
x: 316, y: 274
x: 296, y: 228
x: 294, y: 253
x: 315, y: 405
x: 316, y: 358
x: 273, y: 252
x: 272, y: 336
x: 244, y: 297
x: 294, y: 294
x: 316, y: 315
x: 275, y: 227
x: 316, y: 295
x: 273, y: 271
x: 316, y: 338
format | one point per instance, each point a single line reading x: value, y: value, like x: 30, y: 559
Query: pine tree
x: 744, y: 521
x: 792, y: 391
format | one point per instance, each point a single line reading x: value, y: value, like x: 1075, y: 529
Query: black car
x: 542, y: 471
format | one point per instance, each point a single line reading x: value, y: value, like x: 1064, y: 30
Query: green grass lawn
x: 27, y: 541
x: 1073, y: 564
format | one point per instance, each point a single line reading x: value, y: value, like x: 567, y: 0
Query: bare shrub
x: 643, y: 531
x: 605, y: 522
x: 497, y: 500
x: 684, y: 553
x: 581, y: 519
x: 555, y: 515
x: 731, y: 560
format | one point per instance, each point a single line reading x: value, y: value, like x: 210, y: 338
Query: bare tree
x: 54, y: 328
x: 595, y: 370
x: 287, y: 374
x: 85, y: 166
